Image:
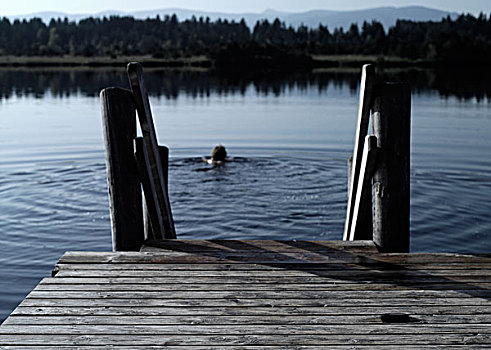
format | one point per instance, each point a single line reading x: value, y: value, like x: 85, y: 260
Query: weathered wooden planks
x: 363, y: 272
x: 139, y: 301
x: 225, y: 339
x: 148, y: 284
x: 239, y: 319
x: 268, y: 347
x: 272, y: 267
x: 257, y: 295
x: 241, y: 347
x: 317, y: 296
x: 129, y: 310
x: 266, y: 257
x: 261, y: 245
x: 271, y: 329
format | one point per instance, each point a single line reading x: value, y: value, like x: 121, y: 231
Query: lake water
x: 291, y: 135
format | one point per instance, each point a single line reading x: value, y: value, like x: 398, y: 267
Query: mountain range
x: 333, y: 19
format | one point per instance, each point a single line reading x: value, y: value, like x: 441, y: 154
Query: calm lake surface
x: 291, y: 135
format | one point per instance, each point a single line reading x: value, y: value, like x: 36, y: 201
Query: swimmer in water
x: 218, y: 156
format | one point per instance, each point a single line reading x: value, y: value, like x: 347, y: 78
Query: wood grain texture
x: 130, y: 310
x: 361, y: 129
x: 366, y: 319
x: 125, y: 200
x: 361, y: 223
x: 270, y: 267
x: 150, y: 213
x: 257, y: 295
x: 152, y: 284
x: 164, y: 226
x: 267, y: 257
x: 242, y: 347
x: 391, y: 124
x: 227, y: 339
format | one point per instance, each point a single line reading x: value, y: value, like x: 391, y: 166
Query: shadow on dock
x: 355, y: 264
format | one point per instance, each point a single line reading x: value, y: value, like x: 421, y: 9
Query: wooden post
x: 119, y: 127
x: 149, y: 213
x: 366, y: 87
x: 391, y: 125
x: 362, y: 226
x: 164, y: 227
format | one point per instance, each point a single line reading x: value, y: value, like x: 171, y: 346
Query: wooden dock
x: 193, y: 294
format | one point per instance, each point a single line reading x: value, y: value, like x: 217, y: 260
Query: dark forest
x: 463, y: 39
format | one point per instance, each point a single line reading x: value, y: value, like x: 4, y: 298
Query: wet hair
x: 218, y: 153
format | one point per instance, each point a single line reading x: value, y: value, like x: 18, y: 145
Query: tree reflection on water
x: 462, y: 84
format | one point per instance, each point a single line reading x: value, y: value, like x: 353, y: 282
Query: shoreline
x: 203, y: 62
x: 312, y: 63
x: 101, y: 61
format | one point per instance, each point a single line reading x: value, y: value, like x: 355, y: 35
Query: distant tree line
x: 466, y: 38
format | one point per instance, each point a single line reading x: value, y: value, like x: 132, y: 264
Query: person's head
x: 218, y: 153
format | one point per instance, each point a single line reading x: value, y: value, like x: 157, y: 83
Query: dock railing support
x: 132, y: 164
x: 125, y: 199
x: 361, y: 225
x: 162, y: 220
x: 149, y: 212
x: 383, y: 157
x: 366, y: 92
x: 391, y: 124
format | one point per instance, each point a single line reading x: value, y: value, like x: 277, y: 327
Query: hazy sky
x: 13, y: 7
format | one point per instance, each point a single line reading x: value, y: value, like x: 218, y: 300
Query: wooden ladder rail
x: 364, y: 107
x: 383, y: 158
x: 156, y: 189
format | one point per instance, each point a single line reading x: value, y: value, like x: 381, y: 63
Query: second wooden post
x: 391, y: 125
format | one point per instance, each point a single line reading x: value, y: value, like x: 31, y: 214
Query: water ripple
x: 264, y: 197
